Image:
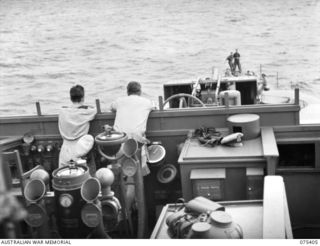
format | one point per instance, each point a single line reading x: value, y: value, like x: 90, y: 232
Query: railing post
x: 160, y: 103
x: 38, y: 108
x: 296, y: 96
x: 98, y: 106
x: 226, y: 99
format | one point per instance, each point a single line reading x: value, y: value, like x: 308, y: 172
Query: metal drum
x: 234, y: 97
x: 67, y: 183
x: 248, y: 124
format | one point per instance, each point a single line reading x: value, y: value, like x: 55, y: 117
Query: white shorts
x: 75, y: 149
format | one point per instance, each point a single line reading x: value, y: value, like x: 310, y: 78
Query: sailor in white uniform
x: 74, y: 123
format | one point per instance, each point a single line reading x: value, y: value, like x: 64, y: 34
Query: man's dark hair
x: 134, y: 88
x: 76, y: 93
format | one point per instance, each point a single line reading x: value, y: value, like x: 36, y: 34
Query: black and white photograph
x: 193, y: 120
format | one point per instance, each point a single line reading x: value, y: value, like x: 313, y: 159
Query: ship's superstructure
x: 215, y: 144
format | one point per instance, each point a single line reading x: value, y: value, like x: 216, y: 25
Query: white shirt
x: 132, y: 115
x: 74, y: 121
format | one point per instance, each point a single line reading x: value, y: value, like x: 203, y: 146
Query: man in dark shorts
x: 236, y: 57
x: 230, y: 61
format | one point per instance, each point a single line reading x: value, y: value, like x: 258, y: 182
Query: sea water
x: 47, y: 46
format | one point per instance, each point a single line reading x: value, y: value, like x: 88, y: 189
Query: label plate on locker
x: 208, y: 183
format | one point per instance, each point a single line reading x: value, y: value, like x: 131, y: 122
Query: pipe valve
x: 49, y: 147
x: 40, y: 148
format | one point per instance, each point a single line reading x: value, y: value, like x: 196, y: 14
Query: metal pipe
x: 127, y: 198
x: 140, y: 199
x: 226, y: 100
x: 217, y: 90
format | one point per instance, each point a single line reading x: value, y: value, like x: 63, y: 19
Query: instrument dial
x: 65, y: 200
x: 129, y: 167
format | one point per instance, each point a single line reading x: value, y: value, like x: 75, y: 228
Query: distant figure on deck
x: 236, y: 63
x: 132, y: 113
x: 264, y: 82
x: 74, y: 123
x: 250, y: 73
x: 230, y: 61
